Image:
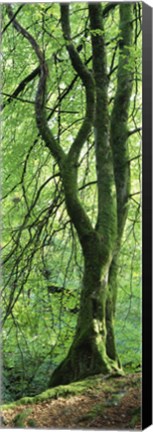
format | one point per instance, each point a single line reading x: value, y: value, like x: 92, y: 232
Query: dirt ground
x: 112, y: 404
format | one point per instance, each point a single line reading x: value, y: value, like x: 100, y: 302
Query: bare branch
x: 137, y: 130
x: 8, y: 24
x: 21, y: 86
x: 109, y: 7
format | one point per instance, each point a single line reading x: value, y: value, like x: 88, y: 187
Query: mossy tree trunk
x: 87, y: 354
x: 93, y: 349
x: 121, y: 164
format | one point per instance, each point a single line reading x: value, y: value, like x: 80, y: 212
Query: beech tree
x: 103, y: 68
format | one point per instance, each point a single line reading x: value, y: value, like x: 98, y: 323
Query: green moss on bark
x: 93, y: 349
x: 87, y: 355
x: 119, y: 118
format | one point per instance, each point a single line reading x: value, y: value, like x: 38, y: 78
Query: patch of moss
x: 97, y: 410
x: 31, y: 423
x: 19, y: 419
x: 136, y: 417
x: 93, y: 383
x: 59, y: 391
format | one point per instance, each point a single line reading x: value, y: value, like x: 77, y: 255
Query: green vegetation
x: 75, y: 388
x: 91, y: 402
x: 71, y: 181
x: 21, y: 417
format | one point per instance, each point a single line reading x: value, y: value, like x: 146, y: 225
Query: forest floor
x: 96, y: 402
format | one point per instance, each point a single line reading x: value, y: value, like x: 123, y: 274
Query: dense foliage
x: 42, y: 259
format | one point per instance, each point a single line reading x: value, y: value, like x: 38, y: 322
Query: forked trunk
x: 93, y: 348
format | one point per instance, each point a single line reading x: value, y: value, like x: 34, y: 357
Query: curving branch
x: 87, y: 80
x: 68, y: 170
x: 119, y: 117
x: 109, y: 7
x: 41, y: 118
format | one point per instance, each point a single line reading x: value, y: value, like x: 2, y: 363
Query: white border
x: 149, y: 2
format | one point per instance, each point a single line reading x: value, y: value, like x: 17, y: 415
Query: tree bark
x: 119, y: 145
x: 94, y: 349
x: 88, y: 353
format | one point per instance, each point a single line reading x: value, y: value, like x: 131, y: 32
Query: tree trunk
x: 93, y: 349
x: 88, y: 354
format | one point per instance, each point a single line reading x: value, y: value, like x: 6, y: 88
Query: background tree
x: 81, y: 143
